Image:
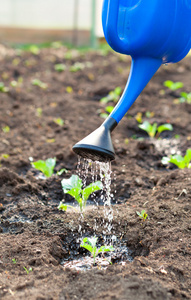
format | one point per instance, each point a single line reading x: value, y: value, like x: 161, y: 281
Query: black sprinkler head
x: 97, y: 146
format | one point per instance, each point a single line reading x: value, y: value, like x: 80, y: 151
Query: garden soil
x: 35, y: 237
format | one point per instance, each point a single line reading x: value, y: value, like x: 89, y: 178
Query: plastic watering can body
x: 155, y: 28
x: 152, y: 32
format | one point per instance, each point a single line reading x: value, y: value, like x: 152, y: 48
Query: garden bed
x: 39, y: 237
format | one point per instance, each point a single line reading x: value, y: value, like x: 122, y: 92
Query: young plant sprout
x: 3, y: 88
x: 185, y: 97
x: 154, y: 130
x: 138, y: 117
x: 90, y: 245
x: 27, y: 270
x: 77, y: 67
x: 180, y: 161
x: 59, y: 121
x: 143, y: 215
x: 60, y: 67
x: 69, y: 89
x: 73, y: 187
x: 173, y: 86
x: 39, y: 112
x: 45, y: 166
x: 6, y: 129
x: 39, y: 83
x: 108, y: 110
x: 112, y: 96
x: 63, y: 170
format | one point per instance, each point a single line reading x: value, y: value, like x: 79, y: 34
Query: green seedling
x: 62, y: 171
x: 77, y: 67
x: 62, y: 206
x: 180, y: 161
x: 39, y: 83
x: 173, y: 86
x: 59, y: 121
x: 73, y: 187
x: 154, y: 130
x: 27, y: 270
x: 45, y: 166
x: 138, y: 117
x: 185, y: 97
x: 56, y: 44
x: 6, y: 129
x: 108, y: 110
x: 3, y: 88
x: 60, y: 67
x: 68, y: 55
x: 69, y: 89
x: 112, y: 96
x: 90, y: 245
x: 149, y: 114
x: 39, y: 112
x: 34, y: 49
x: 143, y: 215
x: 177, y: 136
x: 14, y: 261
x: 3, y: 156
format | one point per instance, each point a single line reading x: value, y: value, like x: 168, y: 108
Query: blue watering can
x: 152, y: 32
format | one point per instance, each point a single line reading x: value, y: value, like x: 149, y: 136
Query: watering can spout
x: 97, y: 146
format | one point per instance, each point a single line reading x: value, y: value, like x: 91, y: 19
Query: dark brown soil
x: 35, y: 234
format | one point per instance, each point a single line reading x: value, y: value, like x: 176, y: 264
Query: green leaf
x: 187, y: 157
x: 62, y: 206
x: 177, y: 160
x: 90, y: 244
x: 146, y: 126
x: 104, y: 115
x: 150, y: 129
x: 62, y: 171
x: 91, y: 188
x: 164, y: 127
x: 173, y: 85
x: 39, y: 83
x: 153, y: 130
x: 73, y: 182
x: 184, y: 95
x: 6, y: 129
x: 165, y: 160
x: 109, y: 109
x: 105, y: 249
x: 104, y: 100
x: 46, y: 167
x: 118, y: 90
x: 60, y: 67
x: 87, y: 247
x: 75, y: 192
x: 59, y: 121
x: 3, y: 88
x: 143, y: 215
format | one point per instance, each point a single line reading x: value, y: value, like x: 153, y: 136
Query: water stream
x: 89, y: 172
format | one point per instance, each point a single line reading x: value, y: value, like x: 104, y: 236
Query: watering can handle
x: 111, y: 33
